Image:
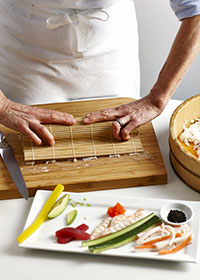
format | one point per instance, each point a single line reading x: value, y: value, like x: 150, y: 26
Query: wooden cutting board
x: 129, y: 170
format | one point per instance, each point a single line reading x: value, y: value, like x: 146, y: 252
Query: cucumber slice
x: 126, y: 237
x: 71, y: 216
x: 59, y: 206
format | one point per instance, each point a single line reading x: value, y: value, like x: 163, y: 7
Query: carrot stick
x: 178, y: 234
x: 149, y: 247
x: 177, y: 248
x: 160, y: 239
x: 157, y: 240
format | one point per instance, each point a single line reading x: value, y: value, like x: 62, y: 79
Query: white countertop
x: 19, y: 263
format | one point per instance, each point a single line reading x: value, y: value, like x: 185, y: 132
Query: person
x: 63, y: 50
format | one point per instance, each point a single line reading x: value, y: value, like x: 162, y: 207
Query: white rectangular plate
x: 91, y: 210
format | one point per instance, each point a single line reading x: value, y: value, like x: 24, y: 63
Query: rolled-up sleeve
x: 185, y: 8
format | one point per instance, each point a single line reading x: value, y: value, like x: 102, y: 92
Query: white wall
x: 157, y: 27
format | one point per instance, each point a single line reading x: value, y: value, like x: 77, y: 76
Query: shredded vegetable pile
x: 164, y: 239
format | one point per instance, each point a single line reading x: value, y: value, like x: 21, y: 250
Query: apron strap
x: 79, y: 28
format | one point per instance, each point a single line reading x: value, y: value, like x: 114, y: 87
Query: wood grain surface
x: 137, y: 169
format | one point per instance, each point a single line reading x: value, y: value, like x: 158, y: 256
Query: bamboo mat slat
x: 81, y: 141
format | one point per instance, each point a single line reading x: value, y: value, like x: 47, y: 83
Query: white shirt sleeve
x: 185, y: 8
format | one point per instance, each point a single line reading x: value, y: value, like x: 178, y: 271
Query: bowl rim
x: 171, y: 126
x: 170, y: 205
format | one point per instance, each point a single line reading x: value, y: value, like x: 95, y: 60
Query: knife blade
x: 10, y: 161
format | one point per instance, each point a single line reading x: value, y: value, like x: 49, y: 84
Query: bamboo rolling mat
x: 81, y: 141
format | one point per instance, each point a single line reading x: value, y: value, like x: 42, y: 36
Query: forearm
x: 183, y: 52
x: 2, y: 97
x: 3, y: 104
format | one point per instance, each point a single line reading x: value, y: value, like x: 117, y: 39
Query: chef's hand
x: 29, y: 120
x: 132, y: 115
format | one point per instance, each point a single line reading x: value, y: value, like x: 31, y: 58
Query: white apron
x: 62, y: 50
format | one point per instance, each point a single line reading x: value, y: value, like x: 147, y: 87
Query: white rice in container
x: 191, y: 135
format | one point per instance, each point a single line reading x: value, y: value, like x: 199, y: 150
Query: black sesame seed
x: 176, y: 216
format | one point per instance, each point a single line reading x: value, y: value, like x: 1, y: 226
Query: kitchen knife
x: 9, y: 159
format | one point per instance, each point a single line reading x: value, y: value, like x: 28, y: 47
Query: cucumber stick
x: 117, y: 233
x: 122, y: 237
x: 125, y: 238
x: 106, y: 246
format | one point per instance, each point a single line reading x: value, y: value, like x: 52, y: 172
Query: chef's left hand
x: 132, y: 115
x: 30, y: 120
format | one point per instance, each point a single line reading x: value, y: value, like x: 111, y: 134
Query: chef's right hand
x: 29, y: 120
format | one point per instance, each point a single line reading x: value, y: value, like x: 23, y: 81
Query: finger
x: 102, y: 115
x: 117, y: 127
x: 33, y: 136
x: 62, y: 118
x: 116, y: 130
x: 52, y: 116
x: 126, y: 131
x: 43, y: 133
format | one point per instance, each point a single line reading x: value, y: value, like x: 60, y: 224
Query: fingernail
x: 86, y: 120
x: 88, y: 115
x: 39, y: 143
x: 126, y: 137
x: 73, y: 121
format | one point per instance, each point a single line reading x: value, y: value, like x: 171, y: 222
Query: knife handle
x: 3, y: 143
x: 1, y: 137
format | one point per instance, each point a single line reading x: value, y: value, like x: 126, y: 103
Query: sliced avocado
x: 59, y: 206
x: 71, y: 216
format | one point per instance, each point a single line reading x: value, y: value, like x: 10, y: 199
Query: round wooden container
x: 186, y: 165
